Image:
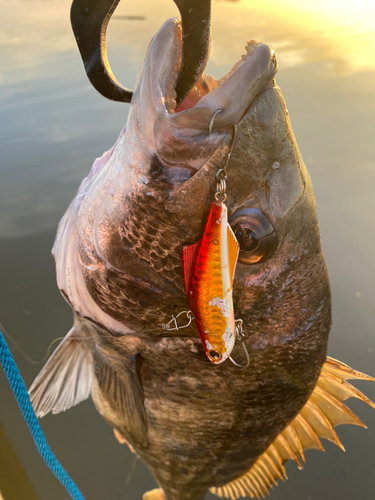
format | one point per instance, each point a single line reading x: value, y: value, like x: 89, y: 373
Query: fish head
x: 281, y: 287
x: 119, y: 247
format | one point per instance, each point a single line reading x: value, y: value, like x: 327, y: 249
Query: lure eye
x: 255, y: 234
x: 214, y: 355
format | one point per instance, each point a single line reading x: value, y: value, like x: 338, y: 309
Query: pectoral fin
x: 316, y: 420
x: 120, y: 386
x: 67, y: 376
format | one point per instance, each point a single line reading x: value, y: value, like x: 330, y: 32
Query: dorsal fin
x: 233, y: 251
x: 66, y: 378
x: 323, y: 410
x: 189, y: 255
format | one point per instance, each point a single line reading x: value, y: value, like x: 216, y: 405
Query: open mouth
x: 185, y: 133
x: 188, y: 87
x: 207, y: 83
x: 174, y: 100
x: 232, y: 94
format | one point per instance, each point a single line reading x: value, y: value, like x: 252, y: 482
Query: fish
x: 199, y: 426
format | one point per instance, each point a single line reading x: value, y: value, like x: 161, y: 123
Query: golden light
x: 339, y: 32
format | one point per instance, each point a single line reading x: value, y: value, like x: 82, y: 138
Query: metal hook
x: 231, y: 146
x: 212, y: 121
x: 221, y: 176
x: 240, y: 337
x: 174, y: 321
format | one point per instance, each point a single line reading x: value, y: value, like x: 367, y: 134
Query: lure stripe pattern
x: 20, y: 392
x: 323, y: 411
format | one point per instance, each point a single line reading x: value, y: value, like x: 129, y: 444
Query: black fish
x: 118, y: 257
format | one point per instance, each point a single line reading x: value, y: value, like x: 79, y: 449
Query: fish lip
x: 186, y: 134
x: 180, y: 135
x: 206, y: 84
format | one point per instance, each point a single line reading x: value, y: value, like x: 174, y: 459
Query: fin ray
x: 323, y: 410
x: 344, y: 371
x: 291, y: 436
x: 336, y: 412
x: 341, y: 389
x: 66, y: 378
x: 320, y: 423
x: 310, y: 439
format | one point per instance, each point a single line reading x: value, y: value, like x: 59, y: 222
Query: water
x: 52, y: 126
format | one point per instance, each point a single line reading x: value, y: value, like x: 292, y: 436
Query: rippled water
x: 53, y: 125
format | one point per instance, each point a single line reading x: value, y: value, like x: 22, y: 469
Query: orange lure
x: 209, y: 267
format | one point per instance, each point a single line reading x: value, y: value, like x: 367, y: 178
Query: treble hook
x: 240, y: 337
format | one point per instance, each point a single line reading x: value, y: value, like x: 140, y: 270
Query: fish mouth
x: 185, y: 133
x: 231, y: 91
x: 206, y: 83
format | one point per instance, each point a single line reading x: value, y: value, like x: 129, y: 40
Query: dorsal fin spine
x: 323, y: 410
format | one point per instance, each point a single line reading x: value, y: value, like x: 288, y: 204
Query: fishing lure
x: 209, y: 266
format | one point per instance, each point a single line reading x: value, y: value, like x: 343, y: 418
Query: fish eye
x: 255, y: 234
x: 247, y: 239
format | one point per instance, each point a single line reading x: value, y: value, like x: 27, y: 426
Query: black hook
x: 90, y: 19
x: 196, y: 39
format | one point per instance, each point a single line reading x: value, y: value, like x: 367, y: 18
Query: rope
x: 19, y: 389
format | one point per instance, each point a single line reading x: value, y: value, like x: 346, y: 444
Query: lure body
x: 209, y: 267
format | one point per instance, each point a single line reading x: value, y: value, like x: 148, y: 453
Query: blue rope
x: 19, y: 389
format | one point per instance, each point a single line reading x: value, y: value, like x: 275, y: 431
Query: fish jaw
x: 180, y: 137
x: 209, y: 284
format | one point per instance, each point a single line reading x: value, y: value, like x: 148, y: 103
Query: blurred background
x: 53, y: 125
